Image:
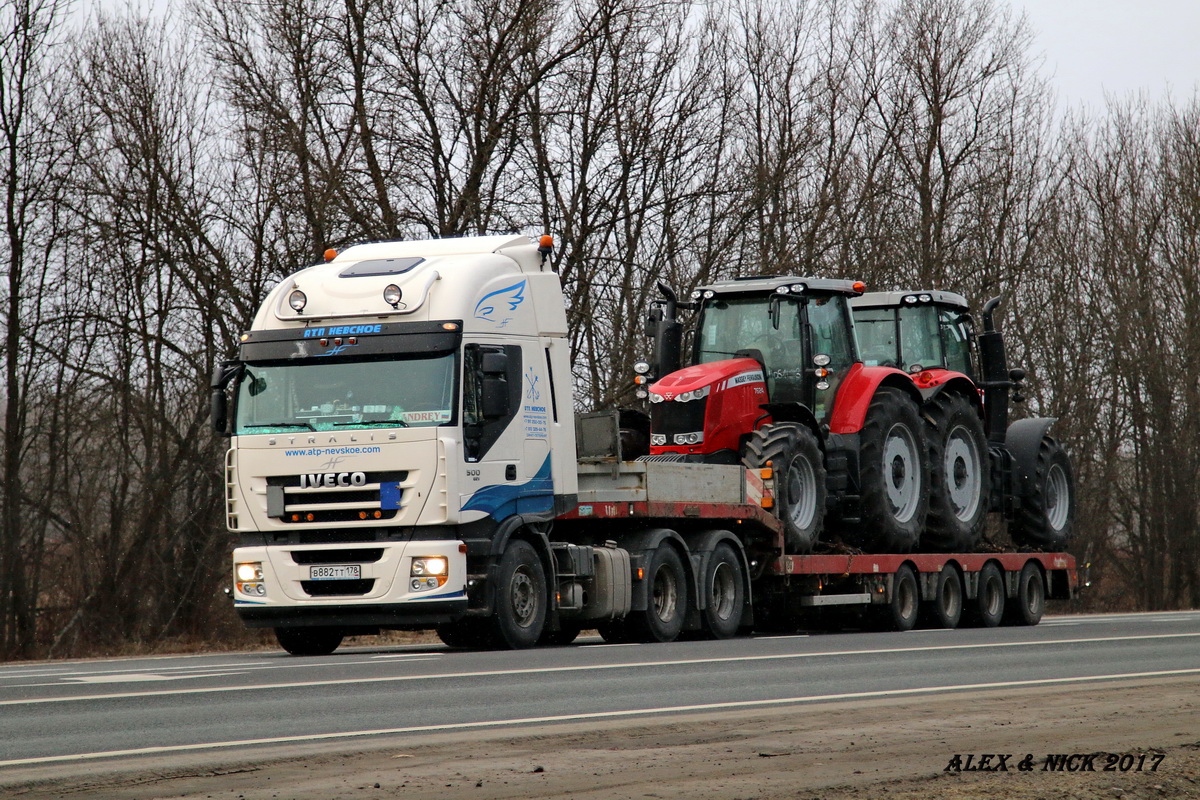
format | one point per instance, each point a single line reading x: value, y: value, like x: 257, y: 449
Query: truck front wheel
x: 315, y: 641
x: 666, y: 601
x: 520, y: 597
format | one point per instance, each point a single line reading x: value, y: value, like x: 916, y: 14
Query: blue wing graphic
x: 487, y: 306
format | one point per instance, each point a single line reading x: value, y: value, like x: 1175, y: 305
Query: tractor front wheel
x: 1047, y: 506
x: 795, y: 457
x: 959, y: 475
x: 894, y: 474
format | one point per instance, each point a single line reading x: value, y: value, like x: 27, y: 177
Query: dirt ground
x: 892, y: 748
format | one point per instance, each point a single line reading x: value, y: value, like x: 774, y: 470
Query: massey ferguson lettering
x: 330, y: 480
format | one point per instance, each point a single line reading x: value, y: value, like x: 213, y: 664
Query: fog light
x: 297, y: 300
x: 392, y: 294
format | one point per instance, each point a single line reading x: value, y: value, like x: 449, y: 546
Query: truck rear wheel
x: 987, y: 609
x: 520, y: 597
x: 959, y: 475
x: 666, y: 601
x: 795, y: 457
x: 725, y: 584
x: 894, y: 474
x: 1046, y: 508
x: 315, y: 641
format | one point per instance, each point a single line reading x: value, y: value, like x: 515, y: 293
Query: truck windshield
x: 337, y: 395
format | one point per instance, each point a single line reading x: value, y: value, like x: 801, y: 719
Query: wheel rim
x: 801, y: 493
x: 724, y: 590
x: 1058, y: 497
x: 524, y: 598
x: 666, y: 595
x: 901, y: 473
x: 993, y: 596
x: 906, y: 598
x: 962, y: 473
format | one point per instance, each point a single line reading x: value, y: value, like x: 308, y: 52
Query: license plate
x: 335, y: 572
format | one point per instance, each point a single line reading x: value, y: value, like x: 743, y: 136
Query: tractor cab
x: 763, y: 347
x: 915, y: 331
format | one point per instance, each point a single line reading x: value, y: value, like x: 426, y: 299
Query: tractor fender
x: 1023, y: 440
x: 857, y: 391
x: 640, y: 545
x: 943, y: 381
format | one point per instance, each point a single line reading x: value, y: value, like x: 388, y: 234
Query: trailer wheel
x: 726, y: 586
x: 987, y: 609
x: 945, y: 608
x: 1046, y: 508
x: 959, y: 472
x: 666, y: 601
x: 894, y: 473
x: 1029, y: 604
x: 315, y: 641
x: 900, y: 613
x: 520, y: 597
x: 795, y: 457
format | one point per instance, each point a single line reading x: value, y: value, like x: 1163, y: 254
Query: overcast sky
x: 1118, y: 46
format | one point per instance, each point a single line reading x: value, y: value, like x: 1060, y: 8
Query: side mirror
x: 223, y: 374
x: 494, y: 363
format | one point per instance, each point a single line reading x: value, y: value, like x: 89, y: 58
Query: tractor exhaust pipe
x: 666, y: 333
x: 996, y: 381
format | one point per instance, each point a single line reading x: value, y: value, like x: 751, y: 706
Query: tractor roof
x: 769, y: 284
x: 910, y: 298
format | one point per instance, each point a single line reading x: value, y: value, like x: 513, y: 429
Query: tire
x: 1046, y: 509
x: 959, y: 475
x: 666, y: 600
x: 725, y: 584
x: 901, y: 611
x: 986, y: 609
x: 1030, y: 603
x: 945, y: 608
x: 567, y: 633
x: 795, y: 456
x: 521, y: 597
x: 315, y: 641
x: 894, y: 473
x: 471, y: 633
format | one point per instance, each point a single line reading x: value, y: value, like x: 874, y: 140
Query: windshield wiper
x: 401, y: 423
x: 280, y: 425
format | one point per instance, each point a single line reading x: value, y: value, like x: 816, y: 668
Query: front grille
x: 337, y: 588
x: 362, y: 555
x: 290, y: 503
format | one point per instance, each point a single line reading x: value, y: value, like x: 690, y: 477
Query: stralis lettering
x: 317, y: 480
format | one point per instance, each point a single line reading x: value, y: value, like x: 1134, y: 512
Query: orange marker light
x: 546, y: 241
x: 330, y: 254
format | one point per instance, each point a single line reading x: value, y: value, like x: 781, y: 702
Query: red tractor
x: 774, y: 376
x: 978, y: 461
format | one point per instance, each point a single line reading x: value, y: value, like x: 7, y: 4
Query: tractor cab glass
x: 914, y: 337
x: 788, y: 330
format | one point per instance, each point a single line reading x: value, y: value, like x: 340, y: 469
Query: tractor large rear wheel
x: 799, y: 469
x: 1047, y: 506
x: 894, y: 471
x: 959, y: 475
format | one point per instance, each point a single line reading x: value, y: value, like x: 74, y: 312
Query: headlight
x: 655, y: 397
x: 392, y: 294
x: 695, y: 394
x: 430, y: 565
x: 297, y: 300
x: 249, y: 571
x: 641, y: 367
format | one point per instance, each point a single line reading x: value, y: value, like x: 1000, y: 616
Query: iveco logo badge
x: 316, y: 480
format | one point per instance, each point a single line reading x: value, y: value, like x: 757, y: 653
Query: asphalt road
x: 74, y: 713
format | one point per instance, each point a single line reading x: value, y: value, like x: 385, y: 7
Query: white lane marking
x: 145, y: 676
x: 316, y: 737
x: 589, y: 668
x: 186, y: 672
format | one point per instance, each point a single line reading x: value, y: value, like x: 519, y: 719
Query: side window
x: 480, y: 432
x: 831, y: 330
x: 956, y: 340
